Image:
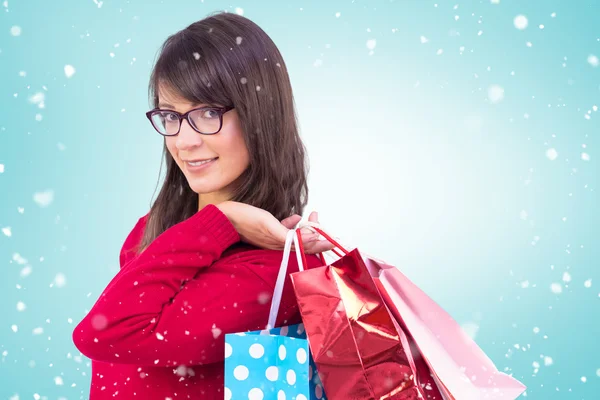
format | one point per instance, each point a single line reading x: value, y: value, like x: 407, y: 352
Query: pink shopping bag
x: 461, y: 369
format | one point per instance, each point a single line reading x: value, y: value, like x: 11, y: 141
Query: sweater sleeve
x: 149, y: 315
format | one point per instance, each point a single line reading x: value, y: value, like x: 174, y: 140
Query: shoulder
x: 132, y: 240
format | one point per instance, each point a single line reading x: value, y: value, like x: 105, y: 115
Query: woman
x: 203, y: 262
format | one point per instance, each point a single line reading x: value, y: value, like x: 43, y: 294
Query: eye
x: 170, y: 117
x: 210, y: 113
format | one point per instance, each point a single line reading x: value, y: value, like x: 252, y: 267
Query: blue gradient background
x: 410, y: 160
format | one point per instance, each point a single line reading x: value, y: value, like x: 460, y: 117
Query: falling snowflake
x: 38, y: 98
x: 44, y: 199
x: 216, y: 332
x: 495, y: 93
x: 60, y: 280
x: 551, y: 154
x: 69, y: 70
x: 471, y: 329
x: 520, y: 22
x: 264, y: 297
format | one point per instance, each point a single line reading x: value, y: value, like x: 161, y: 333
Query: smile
x: 194, y: 164
x: 199, y: 165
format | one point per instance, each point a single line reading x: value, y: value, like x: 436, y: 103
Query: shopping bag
x: 270, y: 364
x: 359, y: 349
x: 274, y: 363
x: 461, y: 368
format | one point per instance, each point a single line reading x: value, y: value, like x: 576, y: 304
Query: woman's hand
x: 310, y: 239
x: 260, y: 228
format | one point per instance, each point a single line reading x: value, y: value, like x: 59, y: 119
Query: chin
x: 204, y: 185
x: 202, y: 189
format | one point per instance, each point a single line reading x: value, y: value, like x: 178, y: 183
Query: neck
x: 210, y: 198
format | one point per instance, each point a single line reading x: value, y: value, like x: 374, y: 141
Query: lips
x: 201, y: 159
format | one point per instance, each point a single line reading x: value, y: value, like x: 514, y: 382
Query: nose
x: 188, y: 137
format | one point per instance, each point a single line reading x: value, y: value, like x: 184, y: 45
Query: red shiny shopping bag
x: 360, y: 350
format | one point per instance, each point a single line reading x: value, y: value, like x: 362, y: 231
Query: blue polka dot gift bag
x: 270, y: 364
x: 274, y: 363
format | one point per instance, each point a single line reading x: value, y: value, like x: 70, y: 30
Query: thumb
x: 291, y: 221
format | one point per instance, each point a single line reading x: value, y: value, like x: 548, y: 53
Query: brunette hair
x: 227, y: 59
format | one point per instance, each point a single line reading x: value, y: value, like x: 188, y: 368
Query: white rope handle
x: 278, y: 291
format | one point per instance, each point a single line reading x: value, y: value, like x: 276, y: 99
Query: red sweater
x: 157, y: 330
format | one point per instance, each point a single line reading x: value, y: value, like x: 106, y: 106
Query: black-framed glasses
x: 204, y: 120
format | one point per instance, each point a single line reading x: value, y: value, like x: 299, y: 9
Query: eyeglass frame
x: 221, y: 110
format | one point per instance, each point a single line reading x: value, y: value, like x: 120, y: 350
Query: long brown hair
x: 227, y: 59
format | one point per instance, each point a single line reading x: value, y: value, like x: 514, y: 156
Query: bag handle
x: 315, y: 226
x: 295, y: 236
x: 292, y: 235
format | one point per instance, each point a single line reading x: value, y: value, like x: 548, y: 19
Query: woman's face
x: 212, y: 182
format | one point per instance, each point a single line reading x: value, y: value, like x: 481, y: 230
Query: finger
x: 307, y: 240
x: 313, y: 217
x: 309, y: 236
x: 307, y: 231
x: 319, y: 247
x: 291, y: 221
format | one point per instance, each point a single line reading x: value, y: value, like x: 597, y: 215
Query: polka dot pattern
x: 301, y: 356
x: 273, y: 364
x: 257, y: 394
x: 272, y: 373
x: 257, y: 350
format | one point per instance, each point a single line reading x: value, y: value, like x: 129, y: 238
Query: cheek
x: 173, y: 150
x: 242, y: 158
x: 234, y: 148
x: 233, y: 144
x: 170, y: 143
